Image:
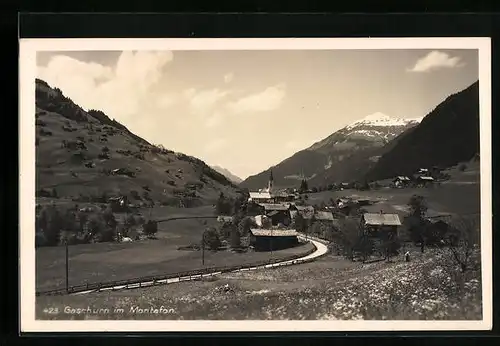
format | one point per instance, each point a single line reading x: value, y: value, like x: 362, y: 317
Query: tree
x: 150, y: 228
x: 365, y: 246
x: 235, y: 237
x: 55, y: 224
x: 350, y: 232
x: 211, y: 238
x: 390, y: 243
x: 245, y: 225
x: 299, y: 222
x: 223, y: 206
x: 303, y: 186
x: 415, y: 222
x: 462, y: 237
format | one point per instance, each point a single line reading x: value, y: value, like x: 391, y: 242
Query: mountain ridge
x: 84, y: 155
x: 449, y: 134
x: 346, y: 154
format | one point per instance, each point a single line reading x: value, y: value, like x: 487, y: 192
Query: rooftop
x: 274, y: 232
x: 260, y: 195
x: 324, y: 215
x: 275, y: 206
x: 378, y: 219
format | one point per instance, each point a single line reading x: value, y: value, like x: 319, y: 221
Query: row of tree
x: 55, y: 226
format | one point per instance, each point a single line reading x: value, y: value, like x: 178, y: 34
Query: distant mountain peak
x: 228, y: 174
x: 381, y: 119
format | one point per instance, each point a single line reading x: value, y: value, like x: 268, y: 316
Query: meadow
x: 103, y: 262
x: 331, y: 288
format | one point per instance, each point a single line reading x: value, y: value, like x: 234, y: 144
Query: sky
x: 248, y: 110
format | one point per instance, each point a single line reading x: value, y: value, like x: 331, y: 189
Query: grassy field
x: 103, y: 262
x: 330, y: 288
x: 459, y: 195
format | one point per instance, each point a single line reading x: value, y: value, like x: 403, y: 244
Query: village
x: 281, y: 216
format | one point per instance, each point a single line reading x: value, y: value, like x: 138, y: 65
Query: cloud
x: 228, y: 77
x: 215, y: 119
x: 267, y: 100
x: 122, y: 91
x: 204, y: 101
x: 436, y: 60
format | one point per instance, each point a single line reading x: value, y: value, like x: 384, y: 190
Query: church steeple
x: 271, y: 181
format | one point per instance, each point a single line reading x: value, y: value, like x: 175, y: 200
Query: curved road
x: 321, y: 249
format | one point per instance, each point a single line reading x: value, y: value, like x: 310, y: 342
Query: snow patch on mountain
x: 381, y: 119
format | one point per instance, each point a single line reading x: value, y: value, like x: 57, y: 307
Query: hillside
x: 84, y: 155
x: 228, y: 174
x: 345, y: 155
x: 446, y: 136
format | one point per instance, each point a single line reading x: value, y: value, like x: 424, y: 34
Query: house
x: 261, y: 197
x: 424, y: 181
x: 323, y: 216
x: 118, y: 203
x: 224, y: 219
x: 277, y: 212
x: 343, y: 186
x: 254, y: 209
x: 262, y: 220
x: 374, y: 223
x: 401, y: 181
x: 273, y: 239
x: 306, y: 211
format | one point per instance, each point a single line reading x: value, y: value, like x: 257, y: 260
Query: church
x: 270, y: 194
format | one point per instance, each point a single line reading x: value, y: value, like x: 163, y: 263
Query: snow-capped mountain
x: 376, y: 129
x: 345, y: 155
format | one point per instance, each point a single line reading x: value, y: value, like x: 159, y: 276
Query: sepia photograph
x: 232, y: 184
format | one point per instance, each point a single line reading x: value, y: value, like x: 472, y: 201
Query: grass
x: 102, y: 262
x: 330, y: 288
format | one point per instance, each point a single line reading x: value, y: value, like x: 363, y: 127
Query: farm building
x: 323, y: 216
x: 261, y: 197
x: 273, y: 239
x: 374, y: 223
x: 423, y: 181
x: 278, y: 213
x: 262, y: 220
x: 307, y: 212
x: 224, y: 219
x: 401, y: 181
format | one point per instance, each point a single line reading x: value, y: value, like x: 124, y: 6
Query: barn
x: 273, y: 239
x: 424, y: 181
x: 279, y: 213
x: 401, y: 181
x: 374, y: 223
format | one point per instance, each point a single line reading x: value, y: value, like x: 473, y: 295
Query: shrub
x: 150, y: 228
x: 135, y: 195
x: 211, y: 238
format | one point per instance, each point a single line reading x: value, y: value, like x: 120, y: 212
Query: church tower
x: 271, y: 182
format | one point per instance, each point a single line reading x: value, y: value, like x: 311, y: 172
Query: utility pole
x: 203, y: 248
x: 67, y: 268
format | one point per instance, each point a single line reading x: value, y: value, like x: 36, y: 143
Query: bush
x: 211, y: 238
x: 150, y: 228
x: 135, y: 195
